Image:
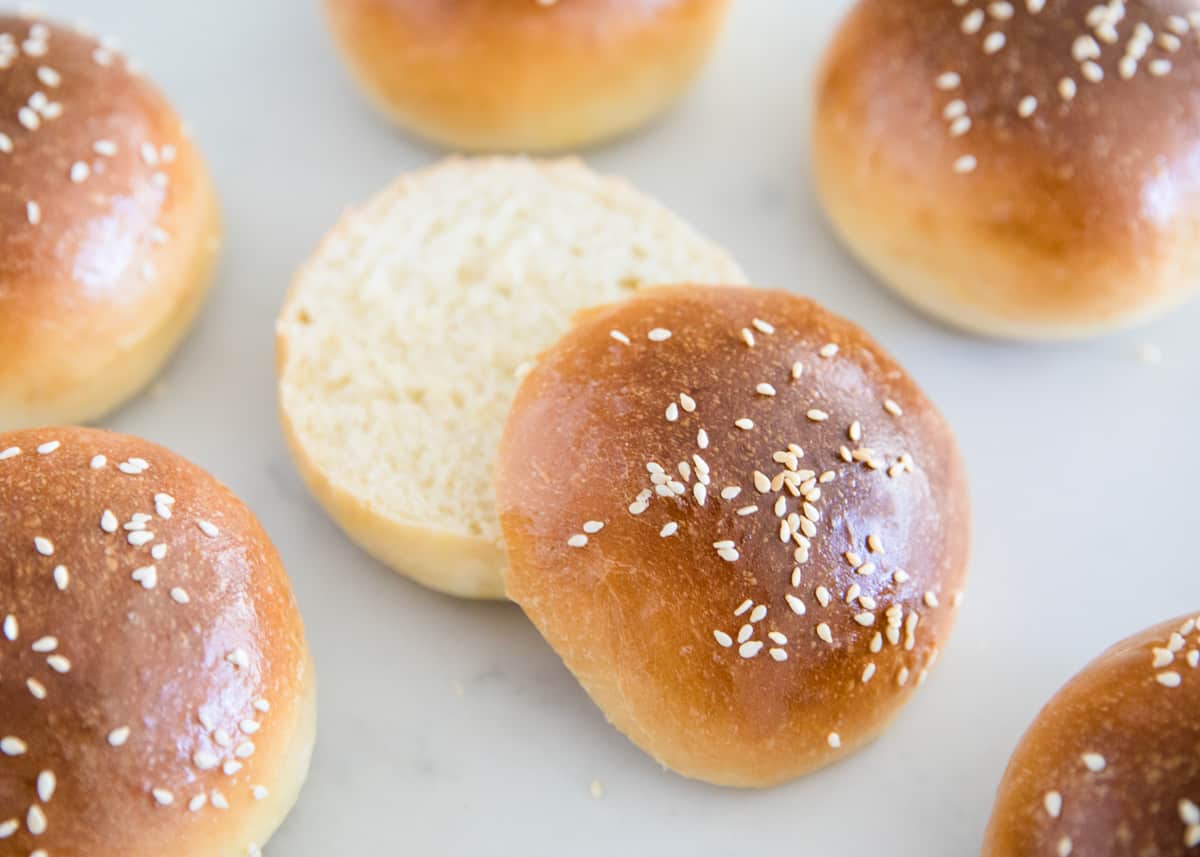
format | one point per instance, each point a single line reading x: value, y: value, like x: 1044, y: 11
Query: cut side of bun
x: 403, y: 339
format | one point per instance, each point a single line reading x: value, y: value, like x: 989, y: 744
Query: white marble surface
x: 449, y: 728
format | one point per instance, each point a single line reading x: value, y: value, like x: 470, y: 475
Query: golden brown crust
x: 1080, y: 213
x: 1133, y: 712
x: 203, y: 660
x: 523, y: 75
x: 634, y: 614
x: 101, y: 277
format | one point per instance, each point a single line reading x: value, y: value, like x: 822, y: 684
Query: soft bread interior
x: 402, y: 342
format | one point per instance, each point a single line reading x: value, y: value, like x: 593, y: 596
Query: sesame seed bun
x: 1019, y: 169
x: 523, y: 75
x: 108, y: 226
x: 745, y: 531
x: 156, y: 690
x: 404, y: 337
x: 1110, y: 766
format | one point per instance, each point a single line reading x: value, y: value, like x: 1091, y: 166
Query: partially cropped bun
x: 108, y: 227
x: 523, y: 75
x: 1023, y: 168
x: 1111, y: 765
x: 156, y: 693
x: 739, y: 522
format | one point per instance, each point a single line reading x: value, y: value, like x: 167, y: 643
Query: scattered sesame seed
x: 828, y: 350
x: 672, y: 412
x: 834, y: 740
x: 1159, y: 67
x: 259, y: 792
x: 163, y: 797
x: 777, y: 654
x: 1064, y: 847
x: 59, y: 664
x: 745, y: 424
x: 744, y: 511
x: 931, y: 599
x: 1094, y: 762
x: 207, y: 528
x: 10, y: 628
x: 1170, y: 678
x: 179, y: 596
x: 6, y: 144
x: 659, y: 334
x: 1053, y: 803
x: 197, y: 803
x: 973, y: 22
x: 892, y: 408
x: 750, y: 648
x: 723, y: 639
x: 687, y: 403
x: 619, y: 337
x: 9, y: 827
x: 994, y: 42
x: 868, y: 673
x: 669, y: 529
x: 948, y: 80
x: 13, y: 746
x: 824, y: 633
x: 763, y: 326
x: 817, y: 416
x: 764, y: 389
x: 98, y: 462
x: 36, y: 688
x: 758, y: 613
x: 865, y: 619
x: 702, y: 439
x: 118, y: 736
x: 797, y: 370
x: 11, y: 452
x: 1027, y: 106
x: 80, y: 172
x: 965, y: 164
x: 747, y: 337
x: 1067, y: 88
x: 35, y: 820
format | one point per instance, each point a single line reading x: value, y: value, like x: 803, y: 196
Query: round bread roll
x: 156, y: 694
x: 1020, y: 169
x: 1110, y: 766
x: 403, y: 340
x: 740, y: 524
x: 523, y: 75
x: 108, y: 227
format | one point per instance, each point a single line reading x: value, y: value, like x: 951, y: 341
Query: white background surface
x: 1083, y: 461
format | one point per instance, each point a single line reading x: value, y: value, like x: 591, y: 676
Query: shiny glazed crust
x: 748, y: 639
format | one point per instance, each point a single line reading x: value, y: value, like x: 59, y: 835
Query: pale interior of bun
x: 403, y: 340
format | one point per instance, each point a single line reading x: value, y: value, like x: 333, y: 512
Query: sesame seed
x: 702, y: 439
x: 1193, y: 658
x: 931, y: 599
x: 1085, y: 48
x: 619, y: 337
x: 750, y: 648
x: 764, y: 389
x: 163, y: 797
x: 35, y: 820
x: 9, y: 827
x: 1035, y: 6
x: 1094, y: 762
x: 763, y: 326
x: 218, y: 800
x: 80, y: 172
x: 687, y: 403
x: 1170, y: 678
x: 33, y: 212
x: 179, y: 596
x: 948, y: 80
x: 777, y: 654
x: 745, y: 424
x: 728, y: 554
x: 1189, y: 813
x: 207, y: 528
x: 197, y: 803
x: 672, y: 412
x: 747, y: 337
x: 797, y: 370
x: 1064, y: 847
x: 13, y: 746
x: 1001, y: 11
x: 796, y: 604
x: 892, y: 408
x: 965, y: 164
x: 834, y: 740
x: 204, y: 760
x: 1053, y: 803
x: 823, y: 596
x: 659, y: 334
x: 36, y: 688
x: 244, y: 750
x: 118, y: 736
x: 10, y: 628
x: 140, y: 538
x: 669, y: 529
x: 262, y: 705
x: 743, y: 607
x: 28, y: 117
x: 729, y: 492
x: 972, y: 22
x: 105, y: 148
x: 6, y: 144
x: 824, y: 633
x: 59, y: 664
x: 259, y: 792
x: 1159, y: 67
x: 1027, y: 106
x: 744, y: 511
x: 828, y: 350
x: 1092, y: 72
x: 635, y: 508
x: 868, y: 673
x: 758, y: 613
x: 723, y: 639
x: 865, y: 619
x: 98, y: 462
x: 1067, y: 88
x: 994, y: 42
x: 817, y: 416
x: 238, y: 658
x: 11, y: 452
x: 45, y: 645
